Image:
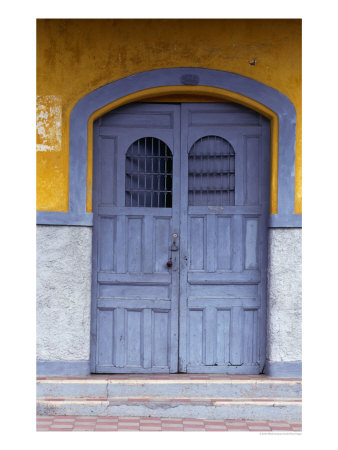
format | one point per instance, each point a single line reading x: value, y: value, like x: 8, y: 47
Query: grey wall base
x: 63, y: 307
x: 62, y: 368
x: 284, y: 369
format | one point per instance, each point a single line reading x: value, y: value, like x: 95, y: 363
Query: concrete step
x: 210, y: 397
x: 188, y: 407
x: 169, y: 386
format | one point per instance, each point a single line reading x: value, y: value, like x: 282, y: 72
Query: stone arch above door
x: 219, y: 84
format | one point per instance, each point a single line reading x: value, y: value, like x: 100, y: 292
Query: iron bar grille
x: 211, y: 172
x: 149, y: 166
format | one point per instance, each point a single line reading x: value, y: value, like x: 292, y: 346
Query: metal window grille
x: 211, y: 172
x: 149, y: 164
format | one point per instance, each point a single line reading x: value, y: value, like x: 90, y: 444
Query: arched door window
x: 211, y: 172
x: 149, y: 164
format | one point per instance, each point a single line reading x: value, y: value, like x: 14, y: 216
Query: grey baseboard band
x: 64, y: 218
x: 86, y: 219
x: 283, y: 369
x: 285, y: 221
x: 63, y: 368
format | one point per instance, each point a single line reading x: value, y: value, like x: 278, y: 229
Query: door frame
x: 216, y: 83
x: 183, y: 131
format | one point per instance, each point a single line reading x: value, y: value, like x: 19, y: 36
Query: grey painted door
x: 225, y: 205
x: 180, y: 202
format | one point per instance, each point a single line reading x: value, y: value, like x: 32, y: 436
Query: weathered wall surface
x: 74, y: 57
x: 284, y: 331
x: 63, y: 291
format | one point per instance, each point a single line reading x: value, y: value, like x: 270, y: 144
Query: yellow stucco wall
x: 75, y: 57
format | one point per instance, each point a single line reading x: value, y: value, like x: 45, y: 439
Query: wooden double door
x: 180, y: 203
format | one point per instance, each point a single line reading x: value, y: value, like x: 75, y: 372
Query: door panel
x: 186, y: 184
x: 135, y: 294
x: 223, y: 239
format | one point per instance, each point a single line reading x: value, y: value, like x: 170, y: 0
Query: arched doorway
x: 219, y: 84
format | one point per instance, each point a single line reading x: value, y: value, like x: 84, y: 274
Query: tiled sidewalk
x: 100, y: 423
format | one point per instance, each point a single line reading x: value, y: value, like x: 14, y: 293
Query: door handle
x: 174, y: 246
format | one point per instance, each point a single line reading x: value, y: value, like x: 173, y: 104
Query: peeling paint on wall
x: 48, y: 123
